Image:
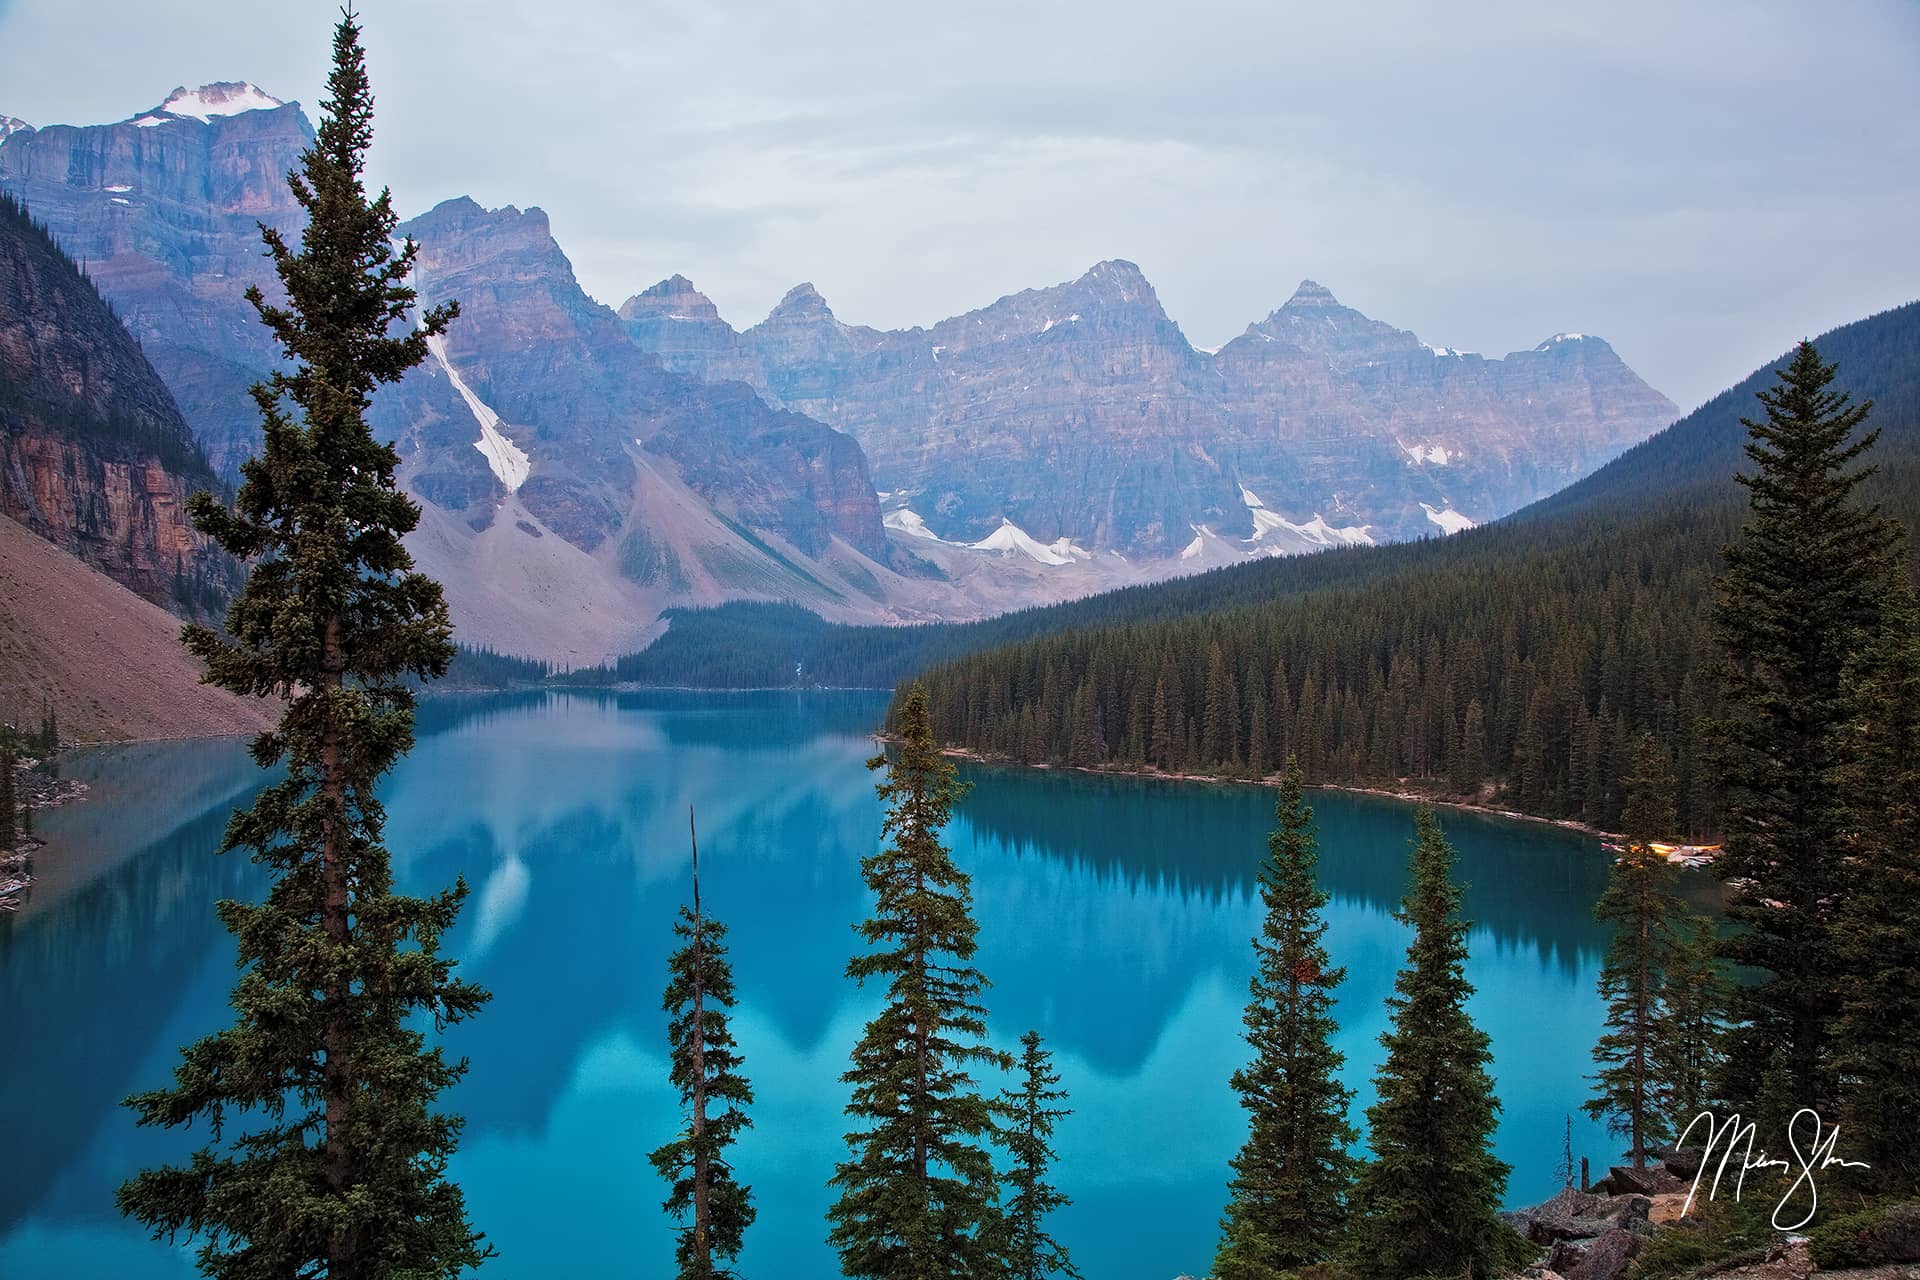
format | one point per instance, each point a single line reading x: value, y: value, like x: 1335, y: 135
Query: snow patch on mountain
x: 508, y: 461
x: 1437, y: 454
x: 1316, y: 531
x: 908, y: 521
x: 1449, y: 520
x: 226, y: 98
x: 10, y: 125
x: 1011, y: 540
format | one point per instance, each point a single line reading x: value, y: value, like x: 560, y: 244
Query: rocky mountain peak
x: 523, y: 235
x: 1314, y: 320
x: 803, y: 302
x: 10, y: 125
x: 1117, y: 280
x: 674, y: 298
x: 1311, y: 293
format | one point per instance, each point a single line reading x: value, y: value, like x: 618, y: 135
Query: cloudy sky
x: 1699, y: 182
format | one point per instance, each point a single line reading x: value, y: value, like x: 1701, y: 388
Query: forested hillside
x: 1523, y: 658
x: 1684, y: 472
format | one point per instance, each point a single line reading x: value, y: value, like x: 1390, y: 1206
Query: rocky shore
x: 34, y: 789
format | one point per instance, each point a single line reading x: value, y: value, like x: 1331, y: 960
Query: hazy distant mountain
x: 1081, y: 412
x: 583, y: 471
x: 576, y: 488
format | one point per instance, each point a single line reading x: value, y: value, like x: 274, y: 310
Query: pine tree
x: 1695, y: 995
x: 707, y: 1072
x: 1640, y: 905
x: 1288, y: 1195
x: 341, y: 1168
x: 1427, y: 1204
x: 1027, y: 1117
x: 1160, y: 735
x: 1469, y: 763
x: 1800, y: 593
x: 1877, y: 1052
x: 918, y: 1195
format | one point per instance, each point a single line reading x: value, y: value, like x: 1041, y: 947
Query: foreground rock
x: 1591, y: 1236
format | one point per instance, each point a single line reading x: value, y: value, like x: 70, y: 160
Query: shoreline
x: 38, y: 791
x: 1272, y: 779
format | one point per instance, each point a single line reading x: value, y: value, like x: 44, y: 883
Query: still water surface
x: 1115, y: 917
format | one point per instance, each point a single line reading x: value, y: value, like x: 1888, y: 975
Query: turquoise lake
x: 1115, y: 918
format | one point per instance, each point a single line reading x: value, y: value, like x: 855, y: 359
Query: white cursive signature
x: 1818, y: 1155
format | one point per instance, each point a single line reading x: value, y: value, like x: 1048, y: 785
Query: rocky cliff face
x: 164, y: 209
x: 576, y: 487
x: 532, y: 345
x: 682, y: 326
x: 1081, y: 412
x: 94, y: 455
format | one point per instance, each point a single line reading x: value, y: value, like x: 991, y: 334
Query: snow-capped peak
x: 1559, y: 338
x: 225, y: 98
x: 10, y: 125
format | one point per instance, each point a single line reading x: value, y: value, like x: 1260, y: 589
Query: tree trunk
x: 337, y: 1074
x: 703, y: 1257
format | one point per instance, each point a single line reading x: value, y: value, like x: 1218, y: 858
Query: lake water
x: 1115, y: 917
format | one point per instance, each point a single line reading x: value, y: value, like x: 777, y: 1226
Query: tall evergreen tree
x: 1801, y: 592
x: 1288, y: 1195
x: 1427, y: 1204
x: 714, y: 1093
x: 1027, y: 1117
x: 918, y: 1193
x: 1879, y: 927
x: 325, y: 1153
x: 1640, y: 904
x: 1695, y: 996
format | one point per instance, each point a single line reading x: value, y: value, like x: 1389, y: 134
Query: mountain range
x: 585, y: 472
x: 1081, y: 412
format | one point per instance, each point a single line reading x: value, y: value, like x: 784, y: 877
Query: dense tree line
x: 483, y: 667
x: 1533, y: 674
x: 1523, y: 667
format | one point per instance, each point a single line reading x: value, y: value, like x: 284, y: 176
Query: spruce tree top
x: 332, y: 597
x: 1809, y: 556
